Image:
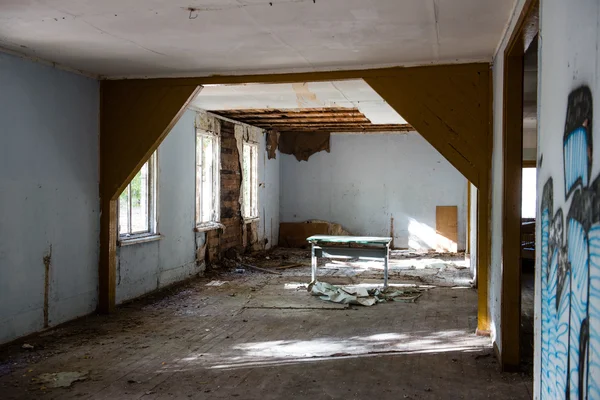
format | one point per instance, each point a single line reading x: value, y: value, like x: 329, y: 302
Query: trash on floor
x: 292, y: 266
x: 216, y: 283
x: 62, y: 379
x: 268, y: 271
x: 362, y: 296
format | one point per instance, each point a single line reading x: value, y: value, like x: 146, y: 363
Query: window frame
x: 130, y: 237
x: 253, y: 179
x: 216, y: 181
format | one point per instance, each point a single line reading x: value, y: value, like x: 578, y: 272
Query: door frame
x: 526, y: 30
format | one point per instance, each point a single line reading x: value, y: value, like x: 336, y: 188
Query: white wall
x: 369, y: 178
x: 268, y: 195
x: 472, y: 236
x: 49, y: 201
x: 144, y: 267
x: 569, y: 59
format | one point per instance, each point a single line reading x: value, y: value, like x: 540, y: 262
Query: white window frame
x: 130, y: 237
x: 214, y: 220
x: 250, y: 205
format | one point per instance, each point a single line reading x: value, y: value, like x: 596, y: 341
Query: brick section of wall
x: 212, y: 246
x: 231, y: 178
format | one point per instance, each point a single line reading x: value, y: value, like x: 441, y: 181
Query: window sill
x: 128, y: 241
x: 247, y: 220
x: 208, y: 226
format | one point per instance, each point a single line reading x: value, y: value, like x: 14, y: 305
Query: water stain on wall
x: 304, y: 97
x: 47, y: 263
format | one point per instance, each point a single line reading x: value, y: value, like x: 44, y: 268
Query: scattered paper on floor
x: 360, y: 295
x: 216, y: 283
x: 62, y: 379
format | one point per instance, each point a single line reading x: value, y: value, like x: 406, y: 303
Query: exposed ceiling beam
x: 333, y: 119
x: 334, y: 128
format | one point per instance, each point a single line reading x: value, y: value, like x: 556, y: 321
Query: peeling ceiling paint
x: 355, y: 93
x: 137, y: 38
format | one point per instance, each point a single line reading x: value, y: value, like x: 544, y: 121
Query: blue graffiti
x: 570, y: 266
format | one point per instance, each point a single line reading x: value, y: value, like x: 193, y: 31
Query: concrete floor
x: 262, y: 336
x: 527, y: 316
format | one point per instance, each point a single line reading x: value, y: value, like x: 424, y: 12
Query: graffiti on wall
x: 570, y: 265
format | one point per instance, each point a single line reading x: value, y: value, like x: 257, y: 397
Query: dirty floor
x: 256, y: 335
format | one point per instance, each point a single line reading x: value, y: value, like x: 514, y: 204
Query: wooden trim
x: 468, y: 243
x: 529, y: 164
x: 448, y: 107
x: 483, y: 253
x: 484, y: 223
x: 512, y: 152
x: 447, y: 104
x: 294, y: 77
x: 107, y: 268
x: 133, y: 122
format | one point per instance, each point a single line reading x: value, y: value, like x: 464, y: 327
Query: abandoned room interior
x: 305, y: 199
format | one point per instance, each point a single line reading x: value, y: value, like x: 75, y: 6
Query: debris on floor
x: 297, y: 265
x: 268, y: 271
x: 216, y: 283
x: 193, y: 338
x: 61, y: 379
x: 362, y: 296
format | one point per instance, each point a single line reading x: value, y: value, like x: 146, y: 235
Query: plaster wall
x: 369, y: 179
x: 268, y: 195
x: 472, y: 236
x: 145, y: 267
x: 49, y: 201
x: 567, y: 316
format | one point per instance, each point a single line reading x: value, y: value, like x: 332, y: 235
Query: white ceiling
x: 350, y: 94
x: 126, y: 38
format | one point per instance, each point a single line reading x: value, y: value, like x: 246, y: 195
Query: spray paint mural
x: 570, y: 265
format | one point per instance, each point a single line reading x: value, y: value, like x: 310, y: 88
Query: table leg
x: 385, y: 268
x: 313, y: 263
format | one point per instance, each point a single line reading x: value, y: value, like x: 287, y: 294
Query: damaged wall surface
x: 144, y: 267
x: 268, y: 194
x: 49, y: 201
x: 399, y: 176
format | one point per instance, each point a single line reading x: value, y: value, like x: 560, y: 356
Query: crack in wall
x: 47, y: 259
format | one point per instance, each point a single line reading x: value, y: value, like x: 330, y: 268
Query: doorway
x: 519, y: 126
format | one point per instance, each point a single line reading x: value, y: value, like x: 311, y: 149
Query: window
x: 528, y: 193
x: 137, y: 203
x: 250, y: 180
x: 207, y: 178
